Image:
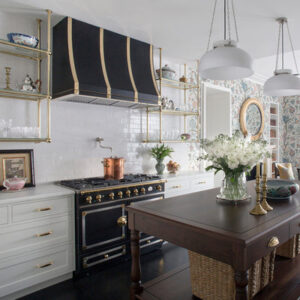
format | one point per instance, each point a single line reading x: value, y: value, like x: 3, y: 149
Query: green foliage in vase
x: 160, y: 152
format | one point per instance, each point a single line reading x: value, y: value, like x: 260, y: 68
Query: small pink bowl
x: 14, y: 184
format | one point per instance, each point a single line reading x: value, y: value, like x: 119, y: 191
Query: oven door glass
x: 103, y: 226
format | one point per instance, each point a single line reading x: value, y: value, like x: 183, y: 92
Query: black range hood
x: 97, y: 66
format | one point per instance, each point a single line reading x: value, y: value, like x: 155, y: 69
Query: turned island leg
x: 241, y: 285
x: 136, y: 287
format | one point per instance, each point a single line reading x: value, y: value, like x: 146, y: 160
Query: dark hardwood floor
x: 113, y: 283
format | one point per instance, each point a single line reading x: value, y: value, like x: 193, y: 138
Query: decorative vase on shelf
x: 234, y: 187
x: 160, y: 167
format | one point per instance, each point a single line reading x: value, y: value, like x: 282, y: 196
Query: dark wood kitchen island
x: 227, y: 233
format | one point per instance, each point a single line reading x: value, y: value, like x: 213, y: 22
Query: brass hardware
x: 85, y: 265
x: 159, y: 188
x: 121, y: 186
x: 273, y: 242
x: 136, y: 192
x: 99, y: 198
x: 128, y: 193
x: 71, y: 57
x: 108, y: 87
x: 148, y: 241
x: 130, y: 70
x: 122, y: 221
x: 44, y: 234
x: 152, y: 70
x: 201, y: 182
x: 111, y: 196
x: 143, y: 190
x: 176, y: 186
x: 89, y: 199
x: 84, y: 213
x: 45, y: 265
x: 44, y: 209
x: 123, y: 236
x: 120, y: 195
x: 106, y: 256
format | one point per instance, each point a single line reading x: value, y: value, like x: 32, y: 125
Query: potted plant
x: 160, y: 153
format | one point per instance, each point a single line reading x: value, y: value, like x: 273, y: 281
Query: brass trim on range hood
x: 130, y: 70
x: 108, y: 87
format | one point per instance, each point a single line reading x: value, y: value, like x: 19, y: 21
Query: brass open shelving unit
x: 174, y: 84
x: 36, y: 55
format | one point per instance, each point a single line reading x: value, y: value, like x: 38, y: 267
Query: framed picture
x: 17, y: 163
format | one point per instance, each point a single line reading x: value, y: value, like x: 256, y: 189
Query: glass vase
x: 234, y: 187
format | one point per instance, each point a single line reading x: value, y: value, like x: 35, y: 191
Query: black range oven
x: 102, y: 235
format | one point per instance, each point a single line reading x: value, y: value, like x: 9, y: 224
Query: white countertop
x: 40, y: 191
x: 184, y: 174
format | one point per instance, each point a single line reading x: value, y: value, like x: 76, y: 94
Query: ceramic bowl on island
x: 281, y: 189
x: 14, y: 184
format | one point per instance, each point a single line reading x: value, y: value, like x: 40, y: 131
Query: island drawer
x: 33, y: 235
x: 262, y: 246
x: 26, y: 211
x: 3, y: 215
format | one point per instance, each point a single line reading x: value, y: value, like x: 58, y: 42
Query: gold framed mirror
x: 252, y: 118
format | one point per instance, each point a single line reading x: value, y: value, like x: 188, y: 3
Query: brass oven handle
x: 122, y: 221
x: 44, y: 234
x: 176, y: 186
x: 44, y: 209
x: 273, y: 242
x: 45, y: 265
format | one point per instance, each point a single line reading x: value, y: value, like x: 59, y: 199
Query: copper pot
x: 113, y: 167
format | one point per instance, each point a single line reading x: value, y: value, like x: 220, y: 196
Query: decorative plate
x: 23, y: 39
x: 281, y: 189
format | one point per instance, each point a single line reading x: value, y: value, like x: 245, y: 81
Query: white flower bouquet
x: 234, y: 156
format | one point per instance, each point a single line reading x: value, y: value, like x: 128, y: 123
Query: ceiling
x: 179, y: 27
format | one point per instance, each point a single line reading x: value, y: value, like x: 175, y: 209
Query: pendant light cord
x: 282, y: 46
x: 278, y: 47
x: 211, y: 25
x: 228, y: 21
x: 292, y: 46
x: 235, y: 23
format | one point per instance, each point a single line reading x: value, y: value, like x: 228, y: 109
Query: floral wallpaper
x: 290, y: 133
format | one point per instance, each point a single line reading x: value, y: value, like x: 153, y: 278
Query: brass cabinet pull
x: 273, y: 242
x: 44, y: 234
x: 44, y: 209
x: 45, y: 265
x: 201, y: 182
x: 176, y: 186
x: 122, y: 221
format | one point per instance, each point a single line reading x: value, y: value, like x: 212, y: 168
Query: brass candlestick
x: 7, y: 79
x: 265, y: 205
x: 258, y: 210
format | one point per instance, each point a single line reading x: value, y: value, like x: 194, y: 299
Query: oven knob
x: 98, y: 198
x: 120, y: 195
x: 136, y: 192
x: 159, y: 188
x: 89, y: 199
x: 128, y: 193
x: 143, y: 190
x: 122, y: 221
x: 111, y: 196
x: 150, y: 189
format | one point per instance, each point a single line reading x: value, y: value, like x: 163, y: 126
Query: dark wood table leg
x: 136, y: 287
x: 241, y: 285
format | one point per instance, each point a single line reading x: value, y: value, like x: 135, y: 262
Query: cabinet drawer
x: 202, y: 183
x: 39, y: 209
x: 3, y: 215
x: 21, y: 272
x: 260, y: 247
x: 18, y: 238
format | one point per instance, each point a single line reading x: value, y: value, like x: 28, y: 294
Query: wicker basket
x: 291, y: 248
x: 214, y: 280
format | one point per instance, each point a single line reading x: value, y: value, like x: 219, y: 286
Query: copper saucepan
x: 113, y: 167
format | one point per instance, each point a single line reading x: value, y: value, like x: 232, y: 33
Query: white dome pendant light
x: 283, y: 83
x: 225, y: 61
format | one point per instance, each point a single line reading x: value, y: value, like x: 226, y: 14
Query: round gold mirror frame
x: 243, y: 113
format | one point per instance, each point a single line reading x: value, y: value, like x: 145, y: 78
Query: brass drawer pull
x: 176, y: 186
x: 201, y: 182
x: 274, y: 241
x: 122, y: 221
x: 45, y: 265
x: 44, y: 209
x: 44, y: 234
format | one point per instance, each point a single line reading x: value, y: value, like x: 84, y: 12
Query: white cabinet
x: 188, y: 182
x: 37, y: 237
